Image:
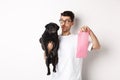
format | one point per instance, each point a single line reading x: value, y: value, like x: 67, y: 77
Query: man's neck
x: 66, y: 34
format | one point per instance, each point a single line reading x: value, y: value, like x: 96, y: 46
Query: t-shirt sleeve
x: 90, y: 46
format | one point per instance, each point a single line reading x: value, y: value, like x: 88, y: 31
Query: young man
x: 69, y: 67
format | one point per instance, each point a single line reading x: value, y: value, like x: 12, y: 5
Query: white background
x: 22, y: 23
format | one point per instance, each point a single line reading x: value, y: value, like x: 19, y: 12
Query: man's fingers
x: 50, y: 46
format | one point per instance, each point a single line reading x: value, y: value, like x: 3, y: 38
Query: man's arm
x: 95, y: 42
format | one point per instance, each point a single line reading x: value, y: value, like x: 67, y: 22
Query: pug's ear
x: 46, y: 26
x: 57, y: 27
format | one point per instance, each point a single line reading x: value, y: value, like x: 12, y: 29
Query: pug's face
x: 52, y: 28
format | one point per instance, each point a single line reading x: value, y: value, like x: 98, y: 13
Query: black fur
x: 50, y: 35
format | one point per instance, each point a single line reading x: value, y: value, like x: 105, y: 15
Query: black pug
x: 50, y: 35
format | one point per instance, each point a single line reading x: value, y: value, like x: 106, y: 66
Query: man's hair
x: 68, y: 13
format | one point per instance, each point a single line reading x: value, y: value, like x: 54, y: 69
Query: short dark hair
x: 68, y: 13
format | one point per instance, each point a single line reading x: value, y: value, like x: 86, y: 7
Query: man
x: 69, y: 67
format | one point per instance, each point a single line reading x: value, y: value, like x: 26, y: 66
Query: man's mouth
x: 63, y: 26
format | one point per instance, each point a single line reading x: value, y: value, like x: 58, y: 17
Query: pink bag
x: 82, y: 45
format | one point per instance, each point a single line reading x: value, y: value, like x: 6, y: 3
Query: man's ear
x: 72, y: 24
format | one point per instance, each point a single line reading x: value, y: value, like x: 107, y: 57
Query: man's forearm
x: 96, y: 44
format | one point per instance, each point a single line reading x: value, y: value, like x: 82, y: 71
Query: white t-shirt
x: 69, y: 67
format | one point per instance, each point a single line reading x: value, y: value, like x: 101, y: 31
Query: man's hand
x: 85, y: 29
x: 50, y: 46
x: 95, y: 42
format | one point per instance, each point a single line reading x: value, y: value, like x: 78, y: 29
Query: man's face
x: 65, y: 23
